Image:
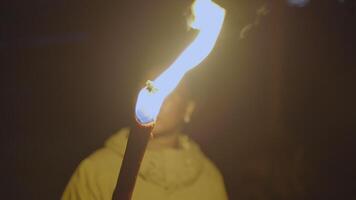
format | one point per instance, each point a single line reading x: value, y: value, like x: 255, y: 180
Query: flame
x: 208, y: 18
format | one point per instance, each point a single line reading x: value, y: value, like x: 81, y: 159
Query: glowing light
x: 299, y: 3
x: 208, y: 19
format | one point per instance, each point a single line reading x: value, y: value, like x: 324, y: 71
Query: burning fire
x: 208, y: 19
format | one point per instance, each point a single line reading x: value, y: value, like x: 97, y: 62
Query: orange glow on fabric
x: 208, y: 20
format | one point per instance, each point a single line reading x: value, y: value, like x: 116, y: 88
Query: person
x: 173, y: 166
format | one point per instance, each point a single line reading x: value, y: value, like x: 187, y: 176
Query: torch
x: 208, y: 18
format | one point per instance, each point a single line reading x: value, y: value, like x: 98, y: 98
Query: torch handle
x: 135, y: 149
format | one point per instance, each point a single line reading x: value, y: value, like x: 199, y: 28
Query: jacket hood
x: 170, y: 168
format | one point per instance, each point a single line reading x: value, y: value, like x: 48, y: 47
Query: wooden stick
x: 135, y: 149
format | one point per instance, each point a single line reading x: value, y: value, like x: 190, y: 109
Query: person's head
x: 175, y: 111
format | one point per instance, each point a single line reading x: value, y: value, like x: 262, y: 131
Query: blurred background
x: 275, y: 99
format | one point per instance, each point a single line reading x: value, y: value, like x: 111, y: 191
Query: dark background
x: 275, y: 111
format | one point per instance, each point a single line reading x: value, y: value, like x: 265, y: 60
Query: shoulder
x: 95, y: 176
x: 210, y: 169
x: 210, y: 179
x: 213, y: 180
x: 106, y: 161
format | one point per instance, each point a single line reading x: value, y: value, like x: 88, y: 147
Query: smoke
x: 263, y: 11
x: 260, y: 12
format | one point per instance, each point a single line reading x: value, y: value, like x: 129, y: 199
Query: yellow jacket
x: 168, y: 174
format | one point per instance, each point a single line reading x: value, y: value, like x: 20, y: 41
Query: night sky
x: 275, y: 109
